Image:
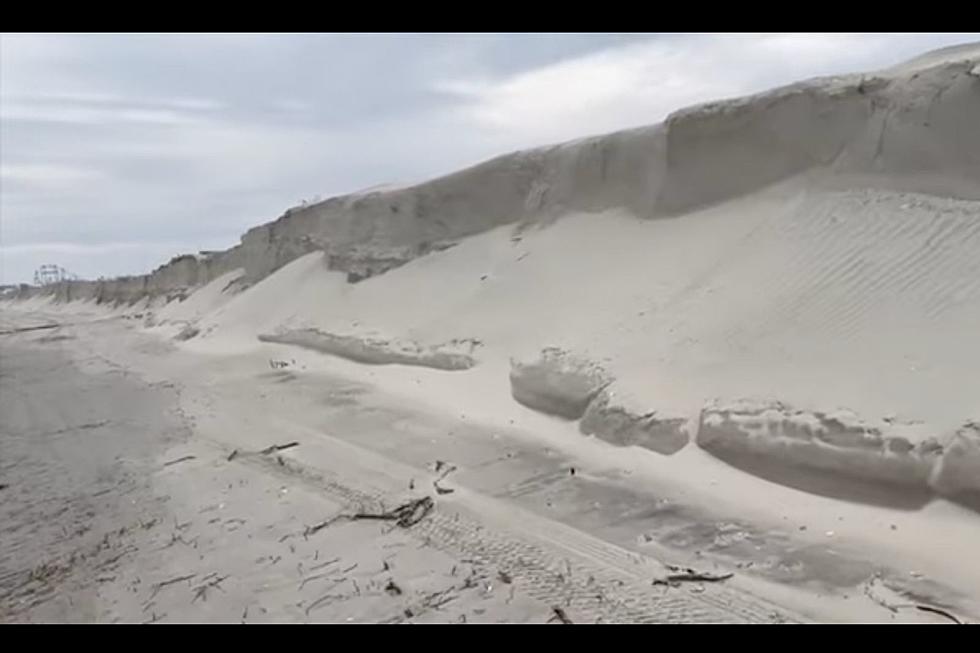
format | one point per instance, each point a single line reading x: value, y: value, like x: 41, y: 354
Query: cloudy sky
x: 118, y: 152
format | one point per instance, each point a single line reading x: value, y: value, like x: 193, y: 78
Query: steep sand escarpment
x: 911, y: 127
x: 803, y: 253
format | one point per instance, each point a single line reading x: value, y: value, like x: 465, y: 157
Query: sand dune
x: 790, y: 280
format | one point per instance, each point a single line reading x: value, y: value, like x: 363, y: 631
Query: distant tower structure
x: 48, y: 274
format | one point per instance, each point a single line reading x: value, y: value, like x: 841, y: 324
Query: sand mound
x: 556, y: 383
x: 958, y: 473
x: 839, y: 442
x: 610, y: 419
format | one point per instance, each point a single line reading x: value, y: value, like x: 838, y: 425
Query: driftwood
x: 154, y: 618
x: 31, y: 328
x: 446, y: 468
x: 159, y: 586
x: 442, y: 490
x: 178, y: 460
x: 943, y: 613
x: 392, y: 588
x: 405, y: 515
x: 116, y: 558
x: 310, y: 579
x: 279, y: 447
x: 201, y: 590
x: 324, y: 564
x: 894, y: 608
x: 688, y: 575
x: 323, y: 600
x: 436, y: 600
x: 560, y: 615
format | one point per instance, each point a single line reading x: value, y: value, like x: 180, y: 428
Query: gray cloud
x: 119, y: 151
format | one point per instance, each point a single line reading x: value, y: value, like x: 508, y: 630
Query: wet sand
x: 136, y: 491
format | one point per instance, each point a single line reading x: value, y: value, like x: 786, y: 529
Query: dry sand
x: 743, y: 341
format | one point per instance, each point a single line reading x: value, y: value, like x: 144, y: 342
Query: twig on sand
x: 315, y: 528
x: 310, y: 579
x: 154, y: 618
x: 446, y: 468
x: 392, y: 588
x: 178, y: 460
x: 202, y: 589
x: 926, y: 608
x: 324, y: 564
x: 30, y: 328
x: 115, y: 558
x: 174, y: 538
x: 231, y: 457
x: 405, y: 515
x: 688, y: 575
x: 279, y: 447
x: 326, y: 598
x: 440, y: 489
x: 560, y: 615
x: 895, y: 607
x: 159, y: 586
x: 436, y: 600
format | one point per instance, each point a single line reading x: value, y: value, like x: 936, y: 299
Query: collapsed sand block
x: 375, y: 351
x: 775, y: 435
x: 556, y: 383
x: 609, y: 419
x: 957, y: 473
x: 562, y: 384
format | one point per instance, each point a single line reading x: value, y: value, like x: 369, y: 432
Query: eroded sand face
x: 769, y: 305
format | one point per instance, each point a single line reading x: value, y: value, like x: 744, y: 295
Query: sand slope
x: 811, y: 247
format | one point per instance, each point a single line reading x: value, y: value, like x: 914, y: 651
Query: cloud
x: 103, y: 108
x: 165, y: 141
x: 642, y: 83
x: 45, y: 175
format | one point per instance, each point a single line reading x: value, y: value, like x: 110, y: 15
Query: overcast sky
x: 118, y: 152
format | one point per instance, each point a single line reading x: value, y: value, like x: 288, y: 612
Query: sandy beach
x: 145, y: 496
x: 723, y: 368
